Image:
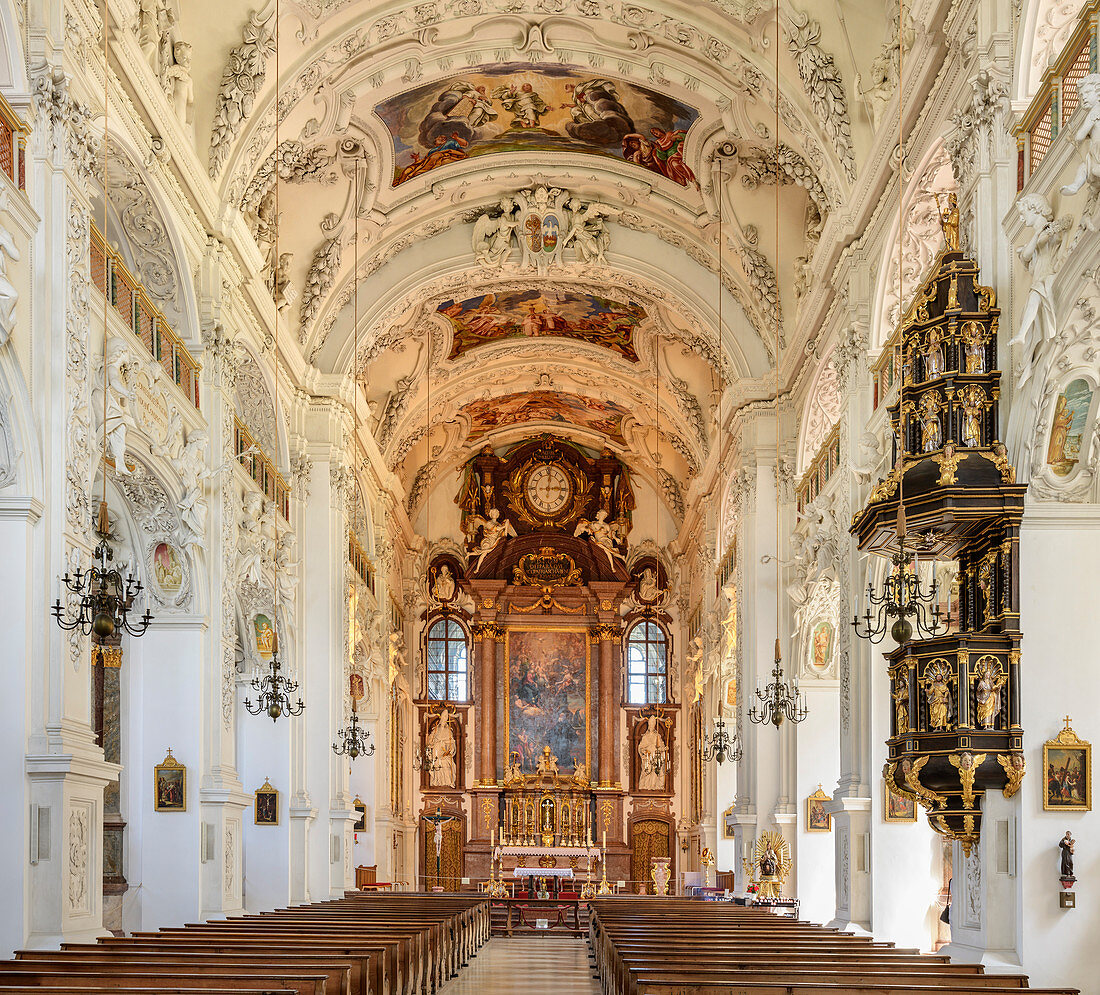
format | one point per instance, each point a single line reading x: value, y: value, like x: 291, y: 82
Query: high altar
x: 546, y: 755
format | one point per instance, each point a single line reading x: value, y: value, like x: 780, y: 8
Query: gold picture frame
x: 817, y: 819
x: 897, y: 807
x: 589, y: 639
x: 1067, y: 772
x: 266, y: 806
x: 170, y: 785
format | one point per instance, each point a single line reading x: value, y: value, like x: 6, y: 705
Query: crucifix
x: 439, y: 820
x: 547, y: 815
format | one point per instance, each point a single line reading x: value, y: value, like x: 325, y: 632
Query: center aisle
x: 546, y: 966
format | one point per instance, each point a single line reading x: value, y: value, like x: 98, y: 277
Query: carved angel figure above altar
x: 493, y: 532
x: 547, y: 763
x: 606, y: 535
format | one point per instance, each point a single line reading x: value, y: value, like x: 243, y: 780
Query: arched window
x: 447, y: 657
x: 646, y: 664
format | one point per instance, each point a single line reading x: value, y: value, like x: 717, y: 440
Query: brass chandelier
x: 353, y: 741
x: 779, y: 700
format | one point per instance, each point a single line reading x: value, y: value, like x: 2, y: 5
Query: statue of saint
x: 901, y: 710
x: 937, y: 693
x: 988, y: 692
x: 1066, y: 844
x: 443, y: 587
x: 650, y: 745
x: 441, y: 743
x: 648, y: 592
x: 973, y: 347
x: 931, y: 433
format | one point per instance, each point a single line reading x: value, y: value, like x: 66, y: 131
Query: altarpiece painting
x: 547, y: 675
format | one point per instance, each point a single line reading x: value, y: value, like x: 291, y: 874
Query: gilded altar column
x: 607, y: 633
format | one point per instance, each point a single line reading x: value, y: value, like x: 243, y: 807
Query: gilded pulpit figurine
x: 933, y: 356
x: 937, y: 694
x: 988, y: 691
x: 931, y: 432
x: 973, y: 347
x: 901, y: 709
x: 949, y: 221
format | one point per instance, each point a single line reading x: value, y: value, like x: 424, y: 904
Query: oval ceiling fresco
x: 489, y: 414
x: 523, y: 107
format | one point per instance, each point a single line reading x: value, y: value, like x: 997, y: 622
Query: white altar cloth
x: 535, y: 850
x: 542, y: 872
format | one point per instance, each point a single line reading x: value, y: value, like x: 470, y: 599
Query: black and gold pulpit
x: 955, y: 698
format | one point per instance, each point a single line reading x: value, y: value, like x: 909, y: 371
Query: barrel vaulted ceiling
x: 406, y: 129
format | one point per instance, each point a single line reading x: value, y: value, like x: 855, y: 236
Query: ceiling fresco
x: 494, y: 317
x: 546, y: 406
x: 523, y: 107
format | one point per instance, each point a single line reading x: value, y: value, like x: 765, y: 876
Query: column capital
x: 608, y: 631
x: 487, y: 630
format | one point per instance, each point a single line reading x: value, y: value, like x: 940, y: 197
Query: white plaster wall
x: 264, y: 751
x: 818, y: 762
x: 1059, y: 553
x: 905, y: 858
x: 161, y: 703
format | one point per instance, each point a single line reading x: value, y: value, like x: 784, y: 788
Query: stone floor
x: 546, y: 966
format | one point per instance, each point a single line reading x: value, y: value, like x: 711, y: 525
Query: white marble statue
x: 9, y: 296
x: 588, y: 233
x: 604, y: 534
x: 193, y: 471
x: 1088, y: 92
x: 249, y: 538
x: 441, y: 743
x: 1040, y: 256
x: 650, y: 745
x: 181, y: 88
x: 492, y: 239
x: 648, y: 591
x: 869, y: 457
x: 493, y: 532
x: 118, y: 414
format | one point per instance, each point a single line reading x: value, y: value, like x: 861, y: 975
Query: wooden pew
x: 363, y: 944
x: 648, y: 946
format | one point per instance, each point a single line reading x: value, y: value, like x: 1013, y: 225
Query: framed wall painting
x: 360, y: 815
x: 170, y: 785
x: 729, y: 824
x: 1067, y: 773
x: 817, y: 819
x: 267, y: 805
x: 897, y: 807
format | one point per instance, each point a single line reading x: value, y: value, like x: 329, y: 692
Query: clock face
x: 547, y: 489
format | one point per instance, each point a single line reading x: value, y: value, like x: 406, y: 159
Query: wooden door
x: 649, y: 838
x: 449, y: 877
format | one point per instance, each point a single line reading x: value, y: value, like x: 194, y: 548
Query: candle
x: 492, y: 838
x: 605, y: 839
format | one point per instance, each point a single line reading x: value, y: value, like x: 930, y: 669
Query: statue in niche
x: 443, y: 585
x: 973, y: 342
x: 648, y: 590
x: 931, y: 432
x: 901, y: 709
x: 972, y: 399
x: 650, y: 745
x: 181, y: 88
x: 493, y: 533
x: 250, y: 538
x: 441, y: 743
x: 937, y: 695
x: 1039, y: 255
x: 987, y: 690
x: 1088, y: 93
x: 933, y: 355
x: 606, y: 535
